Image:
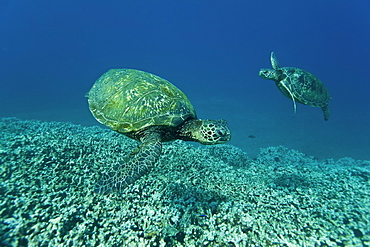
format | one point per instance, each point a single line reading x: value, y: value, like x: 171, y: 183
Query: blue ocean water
x: 51, y: 52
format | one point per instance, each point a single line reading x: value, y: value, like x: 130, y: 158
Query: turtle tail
x: 122, y: 175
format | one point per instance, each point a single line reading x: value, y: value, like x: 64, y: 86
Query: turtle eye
x: 220, y: 132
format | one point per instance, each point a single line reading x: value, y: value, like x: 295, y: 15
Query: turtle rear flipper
x: 326, y: 112
x: 120, y: 177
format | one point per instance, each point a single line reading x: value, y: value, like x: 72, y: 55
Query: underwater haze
x: 285, y: 179
x: 51, y: 52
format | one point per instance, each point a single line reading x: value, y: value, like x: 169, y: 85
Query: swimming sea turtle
x: 151, y: 110
x: 298, y: 85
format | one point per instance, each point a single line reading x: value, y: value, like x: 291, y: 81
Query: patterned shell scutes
x: 127, y: 100
x: 305, y: 87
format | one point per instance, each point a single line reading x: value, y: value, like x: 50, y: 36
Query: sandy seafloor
x: 195, y: 196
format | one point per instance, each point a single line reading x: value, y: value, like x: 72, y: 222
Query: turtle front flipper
x: 123, y: 175
x: 274, y: 62
x: 283, y: 85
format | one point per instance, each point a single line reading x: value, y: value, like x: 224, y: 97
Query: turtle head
x: 269, y: 74
x: 206, y: 131
x: 274, y: 73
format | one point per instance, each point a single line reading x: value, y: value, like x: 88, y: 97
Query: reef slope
x: 208, y: 196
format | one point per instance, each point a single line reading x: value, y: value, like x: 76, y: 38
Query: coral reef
x: 207, y: 196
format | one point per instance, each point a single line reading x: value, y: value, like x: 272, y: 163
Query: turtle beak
x: 224, y: 139
x: 224, y: 132
x: 264, y: 73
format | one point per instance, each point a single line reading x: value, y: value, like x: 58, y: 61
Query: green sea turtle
x: 298, y: 85
x: 151, y: 110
